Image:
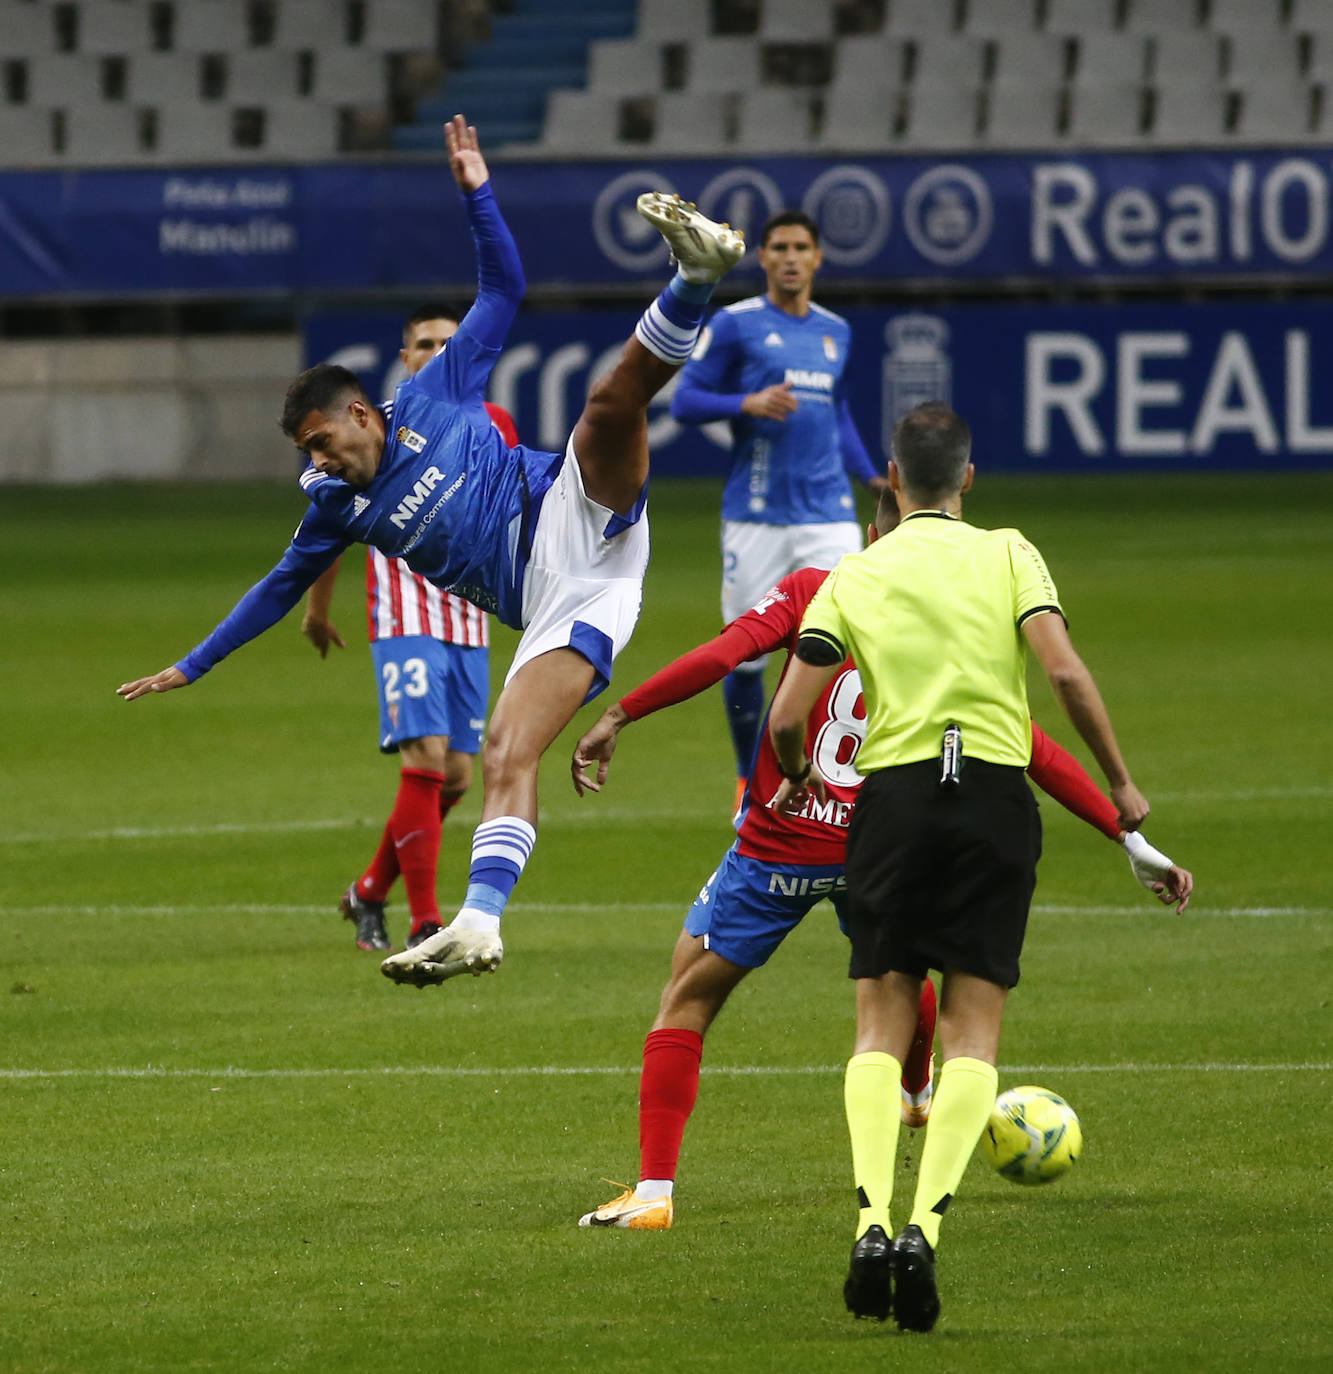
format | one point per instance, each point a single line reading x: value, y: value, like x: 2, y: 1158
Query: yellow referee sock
x: 964, y: 1096
x: 870, y: 1094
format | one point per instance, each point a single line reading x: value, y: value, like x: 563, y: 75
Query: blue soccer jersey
x: 449, y: 497
x: 783, y: 472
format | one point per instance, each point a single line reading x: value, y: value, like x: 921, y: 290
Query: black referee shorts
x: 942, y: 877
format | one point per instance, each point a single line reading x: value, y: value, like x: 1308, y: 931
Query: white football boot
x: 702, y: 249
x: 445, y: 955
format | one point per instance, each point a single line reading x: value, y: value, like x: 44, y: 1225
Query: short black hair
x: 318, y: 388
x: 782, y: 219
x: 432, y: 310
x: 932, y: 447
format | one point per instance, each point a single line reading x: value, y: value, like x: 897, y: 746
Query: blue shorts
x: 748, y: 907
x: 430, y: 688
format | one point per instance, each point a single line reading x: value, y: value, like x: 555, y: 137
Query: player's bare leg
x: 611, y: 436
x: 536, y: 704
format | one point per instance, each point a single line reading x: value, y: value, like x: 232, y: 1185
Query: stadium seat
x: 625, y: 66
x: 920, y: 18
x: 1026, y: 114
x: 723, y: 64
x: 197, y: 133
x: 1112, y: 58
x: 1246, y: 16
x: 1272, y: 113
x: 1041, y: 59
x: 585, y: 122
x: 64, y: 79
x: 162, y: 78
x: 29, y: 30
x: 300, y: 130
x: 27, y: 137
x: 1257, y: 59
x: 98, y: 135
x: 1081, y: 16
x: 302, y: 24
x: 942, y: 116
x: 263, y: 74
x: 350, y: 76
x: 860, y: 119
x: 1105, y: 115
x: 773, y: 119
x: 1000, y: 18
x: 691, y: 122
x: 211, y: 26
x: 1185, y: 115
x: 1310, y: 16
x: 796, y: 21
x: 1319, y: 67
x: 113, y: 29
x: 950, y: 60
x: 671, y: 21
x: 401, y: 26
x: 870, y: 61
x: 1185, y: 56
x: 1162, y: 16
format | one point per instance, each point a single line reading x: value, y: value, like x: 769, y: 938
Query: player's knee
x: 506, y: 756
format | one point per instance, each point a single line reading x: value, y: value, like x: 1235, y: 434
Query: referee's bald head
x: 932, y: 447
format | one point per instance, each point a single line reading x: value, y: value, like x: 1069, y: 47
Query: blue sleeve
x: 707, y: 387
x: 313, y: 548
x: 855, y: 460
x: 460, y: 371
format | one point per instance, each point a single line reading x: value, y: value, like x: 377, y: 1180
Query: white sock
x: 469, y: 918
x: 650, y: 1189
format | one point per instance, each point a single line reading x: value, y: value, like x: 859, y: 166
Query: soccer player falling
x: 783, y: 864
x: 555, y: 545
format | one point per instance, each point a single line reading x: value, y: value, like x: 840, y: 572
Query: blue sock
x: 669, y: 327
x: 500, y: 849
x: 744, y: 697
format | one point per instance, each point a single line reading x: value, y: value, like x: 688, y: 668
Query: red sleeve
x: 504, y: 422
x: 1058, y: 773
x: 688, y: 675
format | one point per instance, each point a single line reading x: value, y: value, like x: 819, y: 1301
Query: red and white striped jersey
x: 401, y: 602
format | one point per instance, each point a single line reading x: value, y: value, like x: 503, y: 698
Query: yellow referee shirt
x: 931, y: 614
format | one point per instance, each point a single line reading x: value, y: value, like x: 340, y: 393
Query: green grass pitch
x: 226, y: 1143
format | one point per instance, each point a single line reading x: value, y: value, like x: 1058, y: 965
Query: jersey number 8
x: 843, y: 733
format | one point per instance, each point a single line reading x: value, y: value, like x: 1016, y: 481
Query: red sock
x: 916, y: 1068
x: 447, y: 804
x: 667, y: 1091
x: 375, y: 882
x: 415, y: 823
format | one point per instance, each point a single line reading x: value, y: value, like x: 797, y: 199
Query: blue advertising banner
x: 1045, y: 388
x: 359, y: 226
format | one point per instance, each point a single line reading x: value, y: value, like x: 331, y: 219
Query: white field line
x: 1146, y: 907
x: 593, y: 814
x: 151, y: 1071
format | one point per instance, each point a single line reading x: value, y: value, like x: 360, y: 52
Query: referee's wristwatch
x: 798, y: 779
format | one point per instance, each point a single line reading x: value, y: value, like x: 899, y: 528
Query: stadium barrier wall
x: 202, y: 408
x: 1160, y: 216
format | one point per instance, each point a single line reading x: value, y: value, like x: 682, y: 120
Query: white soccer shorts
x: 755, y: 557
x: 581, y: 590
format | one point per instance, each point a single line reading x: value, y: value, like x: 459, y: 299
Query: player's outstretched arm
x: 165, y: 681
x: 465, y: 159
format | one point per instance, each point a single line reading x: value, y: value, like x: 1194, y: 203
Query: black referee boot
x: 868, y: 1291
x: 916, y: 1301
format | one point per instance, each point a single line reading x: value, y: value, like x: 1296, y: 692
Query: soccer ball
x: 1032, y: 1136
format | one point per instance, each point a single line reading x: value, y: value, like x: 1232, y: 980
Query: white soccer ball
x: 1032, y: 1136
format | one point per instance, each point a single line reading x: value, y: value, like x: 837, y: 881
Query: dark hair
x: 932, y: 447
x: 432, y: 310
x: 318, y: 388
x: 785, y: 217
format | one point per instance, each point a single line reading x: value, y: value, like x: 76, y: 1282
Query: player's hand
x: 1176, y: 888
x: 321, y: 632
x: 465, y: 159
x: 772, y: 403
x: 596, y: 746
x: 165, y: 681
x: 793, y: 797
x: 1130, y: 804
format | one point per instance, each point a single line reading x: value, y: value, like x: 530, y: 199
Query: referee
x: 944, y: 841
